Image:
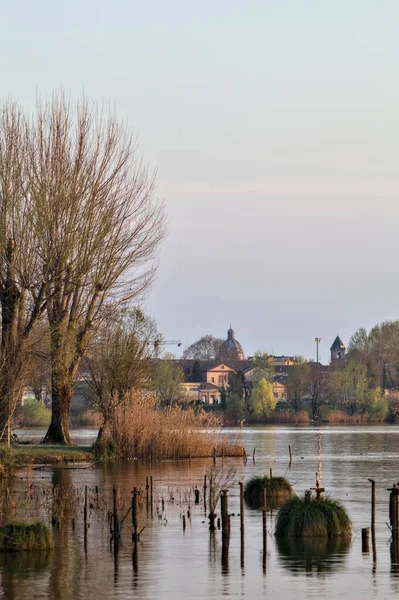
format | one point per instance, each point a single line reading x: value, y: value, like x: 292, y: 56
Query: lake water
x: 171, y: 564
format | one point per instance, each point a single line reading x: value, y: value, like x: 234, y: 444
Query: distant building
x: 338, y: 356
x: 231, y: 349
x: 206, y: 380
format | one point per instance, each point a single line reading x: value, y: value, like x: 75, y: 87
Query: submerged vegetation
x: 277, y: 488
x: 303, y: 517
x: 20, y: 535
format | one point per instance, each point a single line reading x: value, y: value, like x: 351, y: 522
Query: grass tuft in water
x: 276, y: 488
x: 321, y: 517
x: 20, y: 535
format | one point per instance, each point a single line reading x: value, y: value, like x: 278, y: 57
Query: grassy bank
x: 30, y: 454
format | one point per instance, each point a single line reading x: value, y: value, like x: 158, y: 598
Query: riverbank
x: 32, y: 454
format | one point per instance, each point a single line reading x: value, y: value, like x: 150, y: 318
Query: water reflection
x: 313, y: 555
x: 166, y: 564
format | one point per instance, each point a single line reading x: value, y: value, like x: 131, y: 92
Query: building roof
x: 231, y: 348
x: 337, y: 343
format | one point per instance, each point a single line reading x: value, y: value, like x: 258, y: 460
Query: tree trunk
x: 62, y: 392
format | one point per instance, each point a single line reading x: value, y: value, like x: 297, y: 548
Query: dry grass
x: 138, y: 430
x: 289, y: 416
x: 337, y: 417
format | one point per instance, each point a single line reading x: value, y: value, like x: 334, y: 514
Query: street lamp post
x: 317, y: 340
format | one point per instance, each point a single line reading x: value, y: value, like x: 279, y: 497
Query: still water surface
x: 172, y: 564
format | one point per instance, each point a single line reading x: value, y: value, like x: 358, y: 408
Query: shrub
x: 321, y: 517
x: 105, y: 449
x: 376, y: 405
x: 33, y: 413
x: 276, y: 488
x: 20, y: 535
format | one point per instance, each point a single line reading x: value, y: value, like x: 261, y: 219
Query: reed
x: 139, y: 430
x: 322, y: 517
x: 288, y: 416
x: 276, y: 488
x: 20, y: 535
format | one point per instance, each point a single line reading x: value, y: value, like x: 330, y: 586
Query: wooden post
x: 372, y: 504
x: 271, y: 473
x: 197, y: 496
x: 290, y: 451
x: 242, y: 523
x: 264, y: 529
x: 224, y: 508
x: 151, y: 497
x: 373, y: 539
x: 85, y: 512
x: 97, y: 498
x: 241, y: 506
x: 134, y: 515
x: 365, y: 540
x: 214, y: 456
x: 86, y: 526
x: 147, y: 487
x: 205, y: 493
x: 184, y: 522
x: 253, y: 455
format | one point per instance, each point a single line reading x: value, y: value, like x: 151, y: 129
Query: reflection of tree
x: 313, y: 555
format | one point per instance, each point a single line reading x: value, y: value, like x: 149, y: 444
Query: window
x: 213, y: 380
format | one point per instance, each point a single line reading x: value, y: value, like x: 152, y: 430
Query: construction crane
x: 158, y: 343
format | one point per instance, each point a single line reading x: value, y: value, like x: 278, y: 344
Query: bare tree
x: 119, y: 361
x: 24, y: 277
x: 206, y: 348
x: 98, y: 227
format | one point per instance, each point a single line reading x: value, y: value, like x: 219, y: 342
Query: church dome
x: 231, y: 348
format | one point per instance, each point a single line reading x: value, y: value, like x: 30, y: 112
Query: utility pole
x: 317, y: 340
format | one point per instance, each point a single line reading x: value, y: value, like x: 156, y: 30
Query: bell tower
x: 337, y: 353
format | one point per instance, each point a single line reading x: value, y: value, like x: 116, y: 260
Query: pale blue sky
x: 274, y: 126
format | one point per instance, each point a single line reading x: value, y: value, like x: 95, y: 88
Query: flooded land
x: 169, y: 562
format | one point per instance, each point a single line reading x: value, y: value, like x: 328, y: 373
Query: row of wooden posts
x: 225, y: 518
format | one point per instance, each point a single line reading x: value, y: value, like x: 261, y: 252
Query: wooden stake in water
x: 373, y: 540
x: 264, y: 528
x: 134, y: 515
x: 151, y: 497
x: 224, y: 509
x: 86, y: 525
x: 289, y: 450
x: 241, y: 483
x: 205, y: 493
x: 365, y: 540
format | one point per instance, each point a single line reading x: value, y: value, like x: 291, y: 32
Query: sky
x: 274, y: 129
